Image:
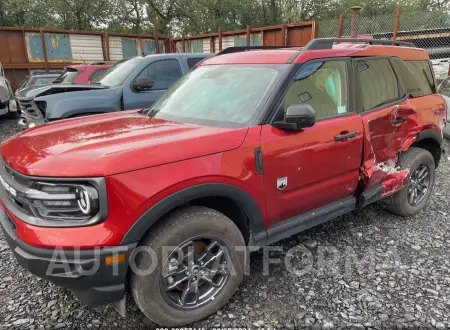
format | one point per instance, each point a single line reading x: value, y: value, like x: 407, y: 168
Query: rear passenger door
x: 163, y: 73
x: 389, y: 110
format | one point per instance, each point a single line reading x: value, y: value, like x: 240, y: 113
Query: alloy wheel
x: 418, y: 185
x: 194, y: 273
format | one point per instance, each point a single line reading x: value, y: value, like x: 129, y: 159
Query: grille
x: 31, y: 109
x: 14, y: 182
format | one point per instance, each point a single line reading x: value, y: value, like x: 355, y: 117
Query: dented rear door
x: 390, y: 119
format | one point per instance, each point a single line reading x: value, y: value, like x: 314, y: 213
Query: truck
x: 130, y: 84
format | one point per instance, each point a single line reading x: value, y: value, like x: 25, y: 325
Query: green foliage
x: 190, y: 17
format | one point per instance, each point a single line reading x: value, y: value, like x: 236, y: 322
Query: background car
x: 444, y: 90
x: 8, y: 103
x: 131, y: 84
x: 34, y: 80
x: 83, y: 73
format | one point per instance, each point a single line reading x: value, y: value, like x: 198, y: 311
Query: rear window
x: 192, y: 61
x: 97, y: 74
x: 421, y: 70
x: 67, y: 77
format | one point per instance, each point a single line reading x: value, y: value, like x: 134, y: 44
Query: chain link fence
x: 428, y: 30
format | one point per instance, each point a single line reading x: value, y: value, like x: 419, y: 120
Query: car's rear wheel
x: 414, y: 197
x: 196, y: 267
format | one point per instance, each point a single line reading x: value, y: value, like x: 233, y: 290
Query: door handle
x: 399, y: 121
x: 349, y: 135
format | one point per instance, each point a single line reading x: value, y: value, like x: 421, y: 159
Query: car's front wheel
x: 187, y: 267
x: 414, y: 197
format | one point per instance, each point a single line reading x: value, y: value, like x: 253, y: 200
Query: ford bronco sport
x: 251, y: 147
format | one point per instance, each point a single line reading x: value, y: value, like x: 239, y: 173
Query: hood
x: 113, y: 143
x: 56, y: 89
x: 22, y: 92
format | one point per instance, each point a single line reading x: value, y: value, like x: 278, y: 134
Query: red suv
x: 83, y: 73
x: 247, y: 149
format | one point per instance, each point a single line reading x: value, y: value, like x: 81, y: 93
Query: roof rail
x: 37, y: 73
x: 101, y: 63
x: 230, y: 50
x: 320, y: 43
x: 327, y: 43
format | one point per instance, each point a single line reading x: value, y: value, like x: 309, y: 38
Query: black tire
x: 176, y: 228
x: 411, y: 160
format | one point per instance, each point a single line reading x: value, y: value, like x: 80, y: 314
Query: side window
x: 409, y: 81
x: 378, y: 84
x: 322, y: 85
x: 164, y: 73
x: 96, y: 75
x: 421, y: 70
x: 192, y: 61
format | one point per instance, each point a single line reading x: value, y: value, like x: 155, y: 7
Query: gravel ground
x: 368, y: 269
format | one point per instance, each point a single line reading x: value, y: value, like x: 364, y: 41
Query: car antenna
x: 84, y: 62
x: 144, y: 54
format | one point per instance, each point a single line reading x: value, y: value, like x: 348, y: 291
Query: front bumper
x: 27, y: 121
x: 84, y: 272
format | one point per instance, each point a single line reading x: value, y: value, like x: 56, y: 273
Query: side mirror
x: 297, y: 116
x: 143, y: 84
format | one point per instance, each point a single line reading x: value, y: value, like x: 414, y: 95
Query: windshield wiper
x: 148, y: 112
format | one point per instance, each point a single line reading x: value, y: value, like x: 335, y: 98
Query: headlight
x: 62, y: 201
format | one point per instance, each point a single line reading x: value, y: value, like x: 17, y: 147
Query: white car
x: 8, y: 104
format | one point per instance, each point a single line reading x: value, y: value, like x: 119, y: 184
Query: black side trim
x: 430, y: 134
x: 313, y: 218
x: 151, y: 216
x: 259, y: 161
x: 370, y: 196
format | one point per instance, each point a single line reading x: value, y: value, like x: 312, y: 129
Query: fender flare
x: 430, y: 134
x: 241, y: 197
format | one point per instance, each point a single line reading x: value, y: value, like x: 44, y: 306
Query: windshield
x: 116, y: 75
x: 40, y: 81
x: 219, y: 95
x: 24, y: 82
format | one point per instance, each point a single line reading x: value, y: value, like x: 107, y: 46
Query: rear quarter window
x: 192, y: 61
x: 421, y: 70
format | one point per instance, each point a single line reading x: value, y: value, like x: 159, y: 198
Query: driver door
x: 309, y: 168
x: 163, y: 73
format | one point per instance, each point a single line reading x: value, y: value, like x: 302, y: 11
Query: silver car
x: 444, y: 90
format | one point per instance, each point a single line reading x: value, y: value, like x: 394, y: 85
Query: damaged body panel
x: 392, y: 128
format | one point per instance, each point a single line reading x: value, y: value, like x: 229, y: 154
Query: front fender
x: 241, y: 197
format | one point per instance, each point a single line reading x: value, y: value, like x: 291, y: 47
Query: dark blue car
x: 131, y: 84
